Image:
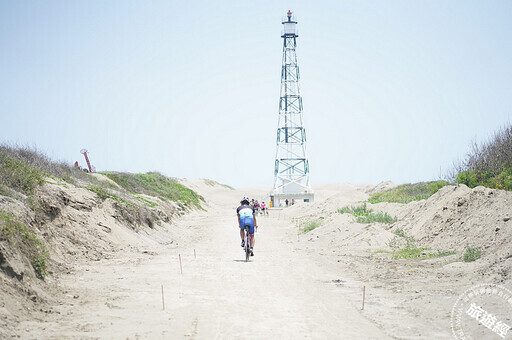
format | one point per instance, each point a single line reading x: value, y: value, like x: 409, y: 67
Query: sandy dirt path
x: 281, y: 293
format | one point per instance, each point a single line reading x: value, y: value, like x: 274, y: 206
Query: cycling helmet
x: 245, y: 199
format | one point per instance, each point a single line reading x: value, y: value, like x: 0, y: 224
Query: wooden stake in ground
x: 181, y: 268
x: 163, y: 300
x: 195, y: 254
x: 298, y: 229
x: 364, y: 289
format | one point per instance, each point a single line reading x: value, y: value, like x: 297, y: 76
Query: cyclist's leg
x: 250, y: 223
x: 242, y: 228
x: 252, y: 241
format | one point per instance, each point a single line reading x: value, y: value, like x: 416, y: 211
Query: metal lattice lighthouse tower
x: 291, y: 171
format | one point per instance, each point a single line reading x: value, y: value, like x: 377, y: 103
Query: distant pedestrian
x: 264, y: 208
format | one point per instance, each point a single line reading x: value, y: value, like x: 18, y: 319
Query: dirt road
x: 281, y: 293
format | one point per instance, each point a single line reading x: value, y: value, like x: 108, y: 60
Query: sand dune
x: 107, y: 279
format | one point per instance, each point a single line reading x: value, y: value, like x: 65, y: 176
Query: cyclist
x: 256, y: 207
x: 246, y: 217
x: 264, y: 208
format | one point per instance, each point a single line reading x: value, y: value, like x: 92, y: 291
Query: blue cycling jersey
x: 246, y: 213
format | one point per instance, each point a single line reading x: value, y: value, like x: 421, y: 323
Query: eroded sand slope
x: 306, y: 285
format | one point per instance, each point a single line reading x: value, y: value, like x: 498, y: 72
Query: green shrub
x: 468, y: 178
x: 471, y: 254
x: 406, y: 193
x: 473, y: 178
x: 488, y: 164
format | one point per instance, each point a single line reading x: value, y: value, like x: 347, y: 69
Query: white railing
x: 295, y: 31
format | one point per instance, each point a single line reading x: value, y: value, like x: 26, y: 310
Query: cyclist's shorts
x: 247, y: 220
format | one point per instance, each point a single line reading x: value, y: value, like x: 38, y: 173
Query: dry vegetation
x: 488, y: 164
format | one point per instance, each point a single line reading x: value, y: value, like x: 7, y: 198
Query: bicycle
x: 247, y: 246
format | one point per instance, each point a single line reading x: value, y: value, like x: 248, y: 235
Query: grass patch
x: 14, y: 231
x: 132, y: 213
x: 22, y: 169
x: 156, y: 184
x: 444, y: 253
x: 404, y: 247
x: 376, y: 217
x: 311, y: 225
x: 361, y: 210
x: 147, y: 202
x: 408, y: 253
x: 406, y: 193
x: 419, y: 253
x: 33, y: 165
x: 401, y: 241
x: 18, y: 175
x: 471, y: 254
x: 365, y: 215
x: 102, y: 192
x: 400, y: 232
x: 415, y: 253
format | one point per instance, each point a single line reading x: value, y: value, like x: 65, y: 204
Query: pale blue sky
x: 391, y: 89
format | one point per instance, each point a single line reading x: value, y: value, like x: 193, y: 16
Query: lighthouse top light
x: 289, y: 23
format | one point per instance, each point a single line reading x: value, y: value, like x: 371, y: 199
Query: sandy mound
x: 457, y: 217
x: 75, y: 226
x: 382, y: 186
x: 450, y: 221
x: 453, y: 219
x: 103, y: 178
